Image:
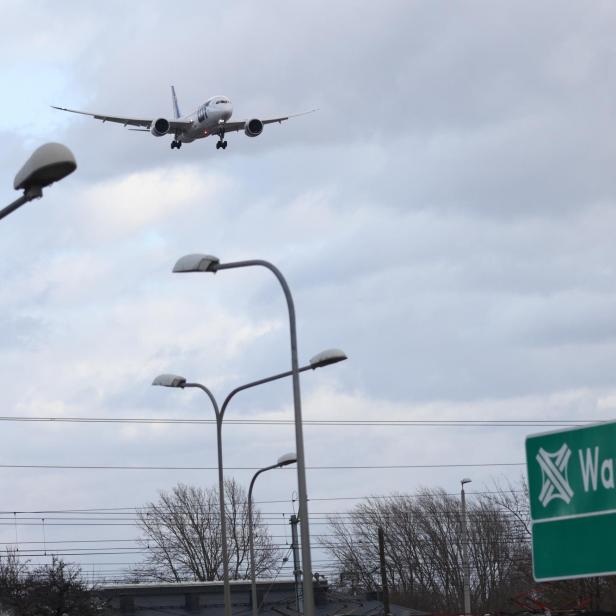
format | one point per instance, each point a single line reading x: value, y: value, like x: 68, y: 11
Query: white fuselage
x: 208, y: 119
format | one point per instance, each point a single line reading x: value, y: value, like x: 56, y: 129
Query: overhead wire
x: 309, y: 422
x: 113, y: 515
x: 95, y: 510
x: 254, y: 468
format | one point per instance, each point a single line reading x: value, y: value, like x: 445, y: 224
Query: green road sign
x: 572, y: 492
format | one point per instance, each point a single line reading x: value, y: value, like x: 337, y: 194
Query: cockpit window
x: 221, y: 101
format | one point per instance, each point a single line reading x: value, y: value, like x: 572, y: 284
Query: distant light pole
x: 289, y: 458
x: 48, y: 164
x: 325, y: 358
x: 465, y: 564
x: 209, y: 263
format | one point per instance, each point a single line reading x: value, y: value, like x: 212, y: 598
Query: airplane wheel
x: 172, y: 144
x: 218, y: 145
x: 224, y: 145
x: 178, y: 144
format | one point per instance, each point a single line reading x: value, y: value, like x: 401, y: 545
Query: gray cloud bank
x: 446, y: 217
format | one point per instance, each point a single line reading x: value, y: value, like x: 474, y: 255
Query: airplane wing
x: 145, y: 123
x: 239, y: 125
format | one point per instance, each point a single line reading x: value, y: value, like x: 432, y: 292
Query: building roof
x: 276, y: 598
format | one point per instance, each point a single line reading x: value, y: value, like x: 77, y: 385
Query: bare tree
x: 12, y: 574
x: 514, y: 499
x: 423, y: 550
x: 57, y: 589
x: 182, y: 534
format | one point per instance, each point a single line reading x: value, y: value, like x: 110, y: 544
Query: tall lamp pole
x: 465, y: 564
x: 325, y: 358
x: 209, y: 263
x: 289, y: 458
x: 48, y: 164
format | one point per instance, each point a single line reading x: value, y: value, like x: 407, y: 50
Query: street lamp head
x: 327, y: 357
x: 169, y: 380
x: 196, y: 263
x: 48, y: 164
x: 286, y: 459
x: 465, y: 480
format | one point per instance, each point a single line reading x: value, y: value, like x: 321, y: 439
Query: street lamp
x: 465, y: 564
x: 209, y: 263
x: 289, y: 458
x: 48, y: 164
x: 325, y: 358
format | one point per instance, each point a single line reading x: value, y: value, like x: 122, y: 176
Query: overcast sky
x: 446, y: 217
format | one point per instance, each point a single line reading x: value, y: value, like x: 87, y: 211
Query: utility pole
x: 386, y: 611
x: 465, y: 564
x: 297, y: 572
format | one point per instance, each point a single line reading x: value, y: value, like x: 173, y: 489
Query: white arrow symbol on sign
x: 554, y: 475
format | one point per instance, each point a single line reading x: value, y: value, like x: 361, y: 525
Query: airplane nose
x: 228, y: 111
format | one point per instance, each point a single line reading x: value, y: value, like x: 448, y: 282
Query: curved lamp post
x: 325, y: 358
x: 209, y: 263
x: 465, y: 564
x: 288, y: 458
x: 48, y: 164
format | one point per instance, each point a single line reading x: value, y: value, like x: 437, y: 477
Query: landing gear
x: 221, y: 143
x: 176, y: 144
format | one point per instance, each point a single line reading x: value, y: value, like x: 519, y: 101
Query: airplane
x: 211, y: 118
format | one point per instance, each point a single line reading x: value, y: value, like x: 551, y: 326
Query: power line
x: 324, y: 521
x: 311, y: 422
x: 263, y: 515
x: 95, y: 510
x: 106, y: 467
x: 145, y: 549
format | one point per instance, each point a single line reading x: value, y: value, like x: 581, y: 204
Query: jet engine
x: 160, y: 127
x: 253, y: 128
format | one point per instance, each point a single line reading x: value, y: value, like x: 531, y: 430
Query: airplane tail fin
x: 176, y: 109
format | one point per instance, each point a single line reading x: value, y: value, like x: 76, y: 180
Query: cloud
x: 445, y: 217
x: 130, y: 203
